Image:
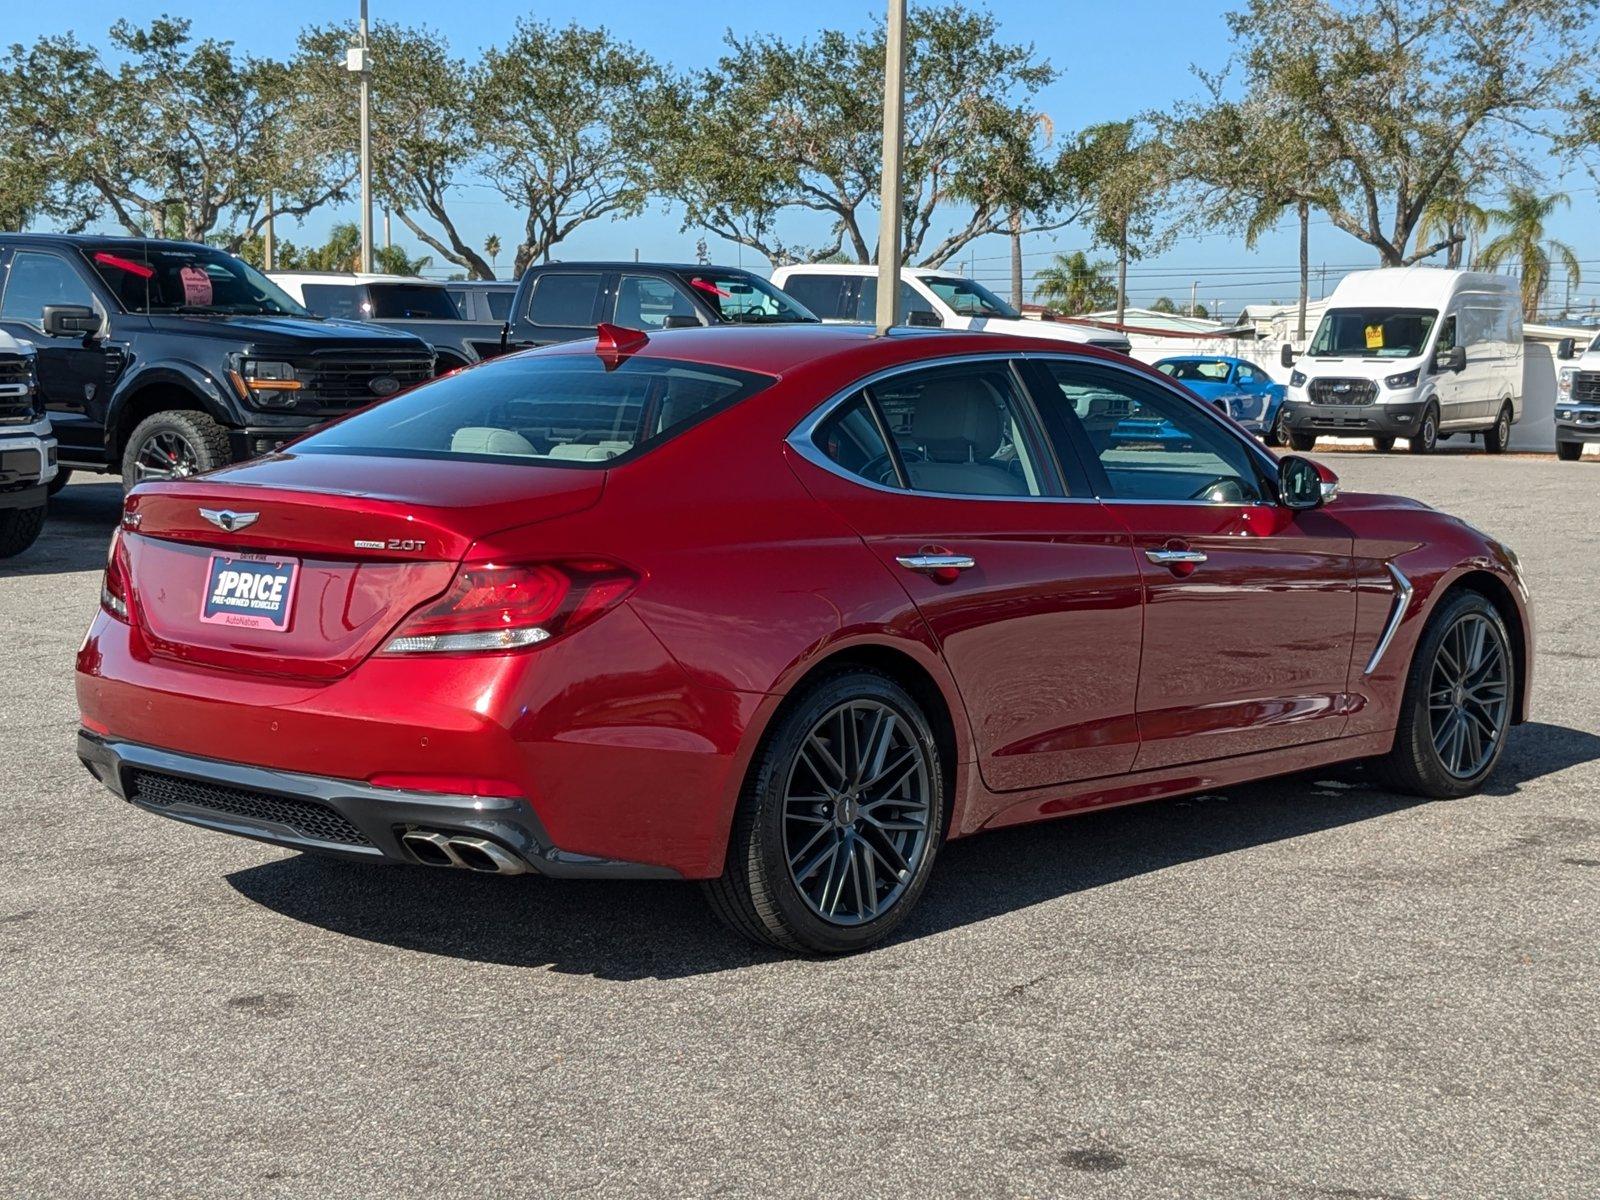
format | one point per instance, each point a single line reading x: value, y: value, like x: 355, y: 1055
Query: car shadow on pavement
x: 623, y: 930
x: 77, y: 531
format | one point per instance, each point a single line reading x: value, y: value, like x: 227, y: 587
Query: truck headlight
x: 1297, y: 379
x: 1564, y: 383
x: 267, y: 382
x: 1406, y: 379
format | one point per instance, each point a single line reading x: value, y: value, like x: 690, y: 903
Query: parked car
x: 483, y: 299
x: 1413, y: 352
x: 779, y: 609
x: 27, y: 449
x: 159, y: 358
x: 1236, y: 386
x: 1577, y: 401
x: 563, y: 301
x: 422, y: 307
x: 928, y: 297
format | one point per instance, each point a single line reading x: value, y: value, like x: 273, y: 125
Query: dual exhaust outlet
x: 462, y: 850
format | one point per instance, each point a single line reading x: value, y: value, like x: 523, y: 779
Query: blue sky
x: 1116, y: 59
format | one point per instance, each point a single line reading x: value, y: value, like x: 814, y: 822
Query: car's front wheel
x: 1458, y: 700
x: 174, y: 445
x: 19, y: 529
x: 1383, y: 442
x: 1303, y: 442
x: 1426, y: 439
x: 1569, y: 451
x: 840, y: 820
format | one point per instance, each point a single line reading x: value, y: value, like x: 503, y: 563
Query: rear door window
x: 565, y: 298
x: 822, y: 294
x: 36, y: 281
x: 561, y: 410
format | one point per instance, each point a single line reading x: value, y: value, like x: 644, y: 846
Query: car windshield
x: 410, y: 301
x: 1195, y: 369
x: 969, y: 299
x: 175, y: 277
x: 568, y: 410
x: 1374, y: 332
x: 746, y: 299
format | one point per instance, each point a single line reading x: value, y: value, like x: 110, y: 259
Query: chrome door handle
x: 936, y: 562
x: 1167, y: 558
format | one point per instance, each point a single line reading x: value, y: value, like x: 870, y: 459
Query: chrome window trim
x: 1402, y: 601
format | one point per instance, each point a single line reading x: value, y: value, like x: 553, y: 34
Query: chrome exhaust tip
x: 480, y: 854
x: 430, y: 848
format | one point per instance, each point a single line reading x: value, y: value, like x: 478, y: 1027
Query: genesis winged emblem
x: 227, y: 519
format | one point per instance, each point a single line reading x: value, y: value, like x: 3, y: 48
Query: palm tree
x: 491, y: 247
x: 1523, y: 240
x: 1075, y: 284
x: 1456, y: 221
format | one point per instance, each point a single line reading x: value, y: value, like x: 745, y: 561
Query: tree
x: 422, y: 126
x: 1122, y: 171
x: 180, y: 137
x: 1074, y: 284
x: 561, y: 115
x: 1524, y: 242
x: 1398, y: 96
x: 777, y: 130
x: 1164, y: 304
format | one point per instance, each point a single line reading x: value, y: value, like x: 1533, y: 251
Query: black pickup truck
x: 561, y: 302
x: 161, y: 359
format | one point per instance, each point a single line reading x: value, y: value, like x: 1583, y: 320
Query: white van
x: 928, y: 296
x: 1412, y: 352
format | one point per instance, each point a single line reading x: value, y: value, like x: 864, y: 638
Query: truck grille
x: 1342, y: 391
x: 1586, y: 387
x: 309, y: 818
x: 17, y: 403
x: 339, y: 384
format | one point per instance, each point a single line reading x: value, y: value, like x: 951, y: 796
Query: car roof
x: 1227, y: 358
x: 98, y: 239
x: 785, y: 349
x: 603, y: 264
x: 354, y: 277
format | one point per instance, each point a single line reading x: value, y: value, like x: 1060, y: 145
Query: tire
x: 199, y: 442
x: 765, y: 893
x: 1383, y: 442
x: 1497, y: 440
x: 1277, y: 434
x: 63, y: 477
x: 1420, y: 762
x: 1302, y: 442
x: 1569, y: 451
x: 1426, y: 439
x: 19, y: 529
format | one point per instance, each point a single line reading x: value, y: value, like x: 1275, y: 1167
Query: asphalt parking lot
x: 1299, y: 988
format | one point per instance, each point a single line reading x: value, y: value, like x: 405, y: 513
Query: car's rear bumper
x: 1397, y: 420
x: 340, y: 817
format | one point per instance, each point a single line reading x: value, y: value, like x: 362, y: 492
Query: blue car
x: 1237, y: 386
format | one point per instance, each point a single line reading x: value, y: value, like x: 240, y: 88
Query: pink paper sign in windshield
x: 196, y: 286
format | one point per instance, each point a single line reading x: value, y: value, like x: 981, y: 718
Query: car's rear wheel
x: 19, y: 529
x: 1569, y: 451
x: 1426, y: 439
x: 1383, y: 443
x: 1458, y: 702
x: 174, y: 445
x: 1498, y: 439
x: 1302, y: 441
x: 840, y: 820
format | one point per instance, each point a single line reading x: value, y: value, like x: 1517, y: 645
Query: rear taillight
x: 114, y: 584
x: 494, y: 608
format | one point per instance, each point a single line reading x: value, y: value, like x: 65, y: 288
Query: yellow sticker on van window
x: 1374, y: 337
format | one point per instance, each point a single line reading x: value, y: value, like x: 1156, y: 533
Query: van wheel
x: 1426, y: 438
x: 839, y: 823
x: 1498, y: 439
x: 1457, y: 708
x: 63, y: 477
x: 19, y: 529
x: 1383, y: 443
x: 1569, y: 451
x: 1278, y: 434
x: 1302, y: 441
x: 174, y: 445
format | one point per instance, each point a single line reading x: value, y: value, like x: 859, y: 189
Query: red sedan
x: 780, y: 610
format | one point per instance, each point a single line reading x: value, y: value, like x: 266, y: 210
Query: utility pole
x: 388, y: 238
x: 889, y: 196
x: 358, y: 60
x: 1194, y: 298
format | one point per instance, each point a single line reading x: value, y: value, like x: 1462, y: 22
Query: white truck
x: 1410, y: 352
x: 928, y: 296
x: 1577, y: 401
x: 27, y: 448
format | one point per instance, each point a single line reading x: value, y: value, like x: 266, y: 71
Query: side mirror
x: 681, y: 321
x: 925, y: 318
x: 1454, y: 359
x: 1287, y: 355
x: 1566, y: 348
x: 70, y: 320
x: 1305, y: 484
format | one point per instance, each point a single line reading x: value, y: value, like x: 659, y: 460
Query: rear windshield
x: 562, y: 410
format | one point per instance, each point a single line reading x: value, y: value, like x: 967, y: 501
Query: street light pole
x: 889, y: 196
x: 358, y: 60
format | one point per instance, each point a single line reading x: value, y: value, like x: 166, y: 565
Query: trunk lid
x: 372, y: 538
